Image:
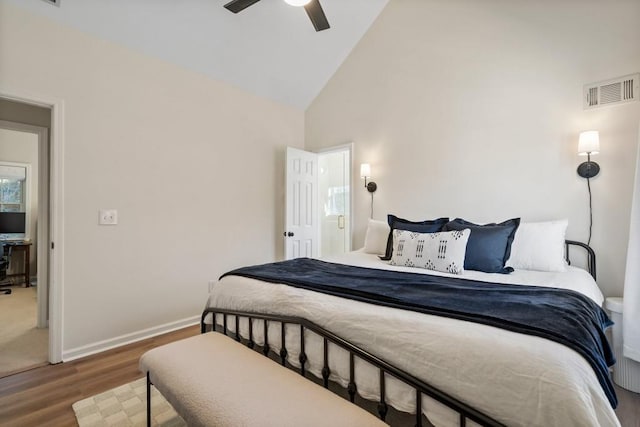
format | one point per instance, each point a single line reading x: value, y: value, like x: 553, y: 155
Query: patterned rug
x: 126, y: 406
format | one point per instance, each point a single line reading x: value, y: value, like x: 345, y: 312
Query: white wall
x: 473, y: 108
x: 22, y: 147
x: 194, y: 167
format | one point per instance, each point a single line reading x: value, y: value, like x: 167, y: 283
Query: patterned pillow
x: 427, y: 226
x: 443, y: 251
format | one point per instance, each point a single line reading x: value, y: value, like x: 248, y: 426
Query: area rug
x: 126, y: 406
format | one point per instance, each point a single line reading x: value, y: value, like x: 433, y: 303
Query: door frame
x: 338, y: 148
x: 56, y: 213
x: 42, y: 214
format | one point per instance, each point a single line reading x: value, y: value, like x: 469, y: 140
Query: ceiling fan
x: 313, y: 8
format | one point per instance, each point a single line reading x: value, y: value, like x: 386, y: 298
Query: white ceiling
x: 270, y: 49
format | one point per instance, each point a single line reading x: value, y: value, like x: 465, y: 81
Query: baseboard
x: 100, y: 346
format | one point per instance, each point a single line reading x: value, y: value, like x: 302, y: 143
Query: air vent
x: 53, y: 2
x: 611, y: 92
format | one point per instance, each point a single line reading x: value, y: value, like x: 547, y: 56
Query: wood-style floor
x: 43, y: 396
x: 628, y: 410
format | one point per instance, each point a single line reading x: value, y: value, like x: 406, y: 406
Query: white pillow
x: 539, y: 246
x: 375, y: 241
x: 443, y: 251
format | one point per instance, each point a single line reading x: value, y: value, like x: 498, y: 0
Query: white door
x: 301, y: 204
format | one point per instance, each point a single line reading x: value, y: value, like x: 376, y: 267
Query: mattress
x: 517, y: 379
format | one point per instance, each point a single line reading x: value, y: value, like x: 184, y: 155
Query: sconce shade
x: 297, y: 2
x: 365, y: 170
x: 589, y: 142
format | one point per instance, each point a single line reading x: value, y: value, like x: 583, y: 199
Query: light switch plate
x: 108, y: 217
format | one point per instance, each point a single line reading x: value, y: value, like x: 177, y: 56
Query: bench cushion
x: 212, y: 380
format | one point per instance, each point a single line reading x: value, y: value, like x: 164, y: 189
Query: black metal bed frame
x: 591, y: 255
x: 465, y: 411
x: 420, y: 387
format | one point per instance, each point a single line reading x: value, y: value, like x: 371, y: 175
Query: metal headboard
x: 591, y: 255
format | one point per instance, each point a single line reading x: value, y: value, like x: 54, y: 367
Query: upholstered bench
x: 212, y: 380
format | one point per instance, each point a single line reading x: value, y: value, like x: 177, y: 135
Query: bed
x: 500, y: 377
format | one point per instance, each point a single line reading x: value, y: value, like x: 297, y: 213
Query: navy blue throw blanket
x: 560, y: 315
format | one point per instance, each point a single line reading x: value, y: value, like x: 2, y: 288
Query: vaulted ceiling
x: 270, y: 49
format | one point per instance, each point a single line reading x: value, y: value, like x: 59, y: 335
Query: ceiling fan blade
x: 236, y: 6
x: 317, y: 16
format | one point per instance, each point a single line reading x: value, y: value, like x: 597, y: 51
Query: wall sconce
x: 588, y: 144
x: 365, y: 172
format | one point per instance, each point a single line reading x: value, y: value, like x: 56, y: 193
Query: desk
x: 26, y: 248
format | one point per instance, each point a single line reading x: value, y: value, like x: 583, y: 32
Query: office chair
x: 4, y: 264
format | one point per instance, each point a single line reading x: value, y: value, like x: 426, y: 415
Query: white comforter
x: 520, y: 380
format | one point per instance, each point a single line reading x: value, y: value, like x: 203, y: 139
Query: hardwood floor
x: 43, y: 396
x: 628, y: 410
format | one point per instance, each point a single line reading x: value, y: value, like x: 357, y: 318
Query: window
x: 14, y: 179
x: 11, y: 195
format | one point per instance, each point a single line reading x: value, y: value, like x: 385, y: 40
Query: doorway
x: 45, y: 115
x: 334, y: 200
x: 318, y: 200
x: 24, y: 196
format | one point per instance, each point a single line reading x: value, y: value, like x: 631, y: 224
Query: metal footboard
x: 385, y: 369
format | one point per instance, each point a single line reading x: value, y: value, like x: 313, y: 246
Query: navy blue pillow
x: 489, y: 246
x: 395, y: 223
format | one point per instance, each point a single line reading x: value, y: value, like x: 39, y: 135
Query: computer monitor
x: 12, y: 222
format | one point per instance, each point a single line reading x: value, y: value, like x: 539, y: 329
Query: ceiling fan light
x: 297, y: 2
